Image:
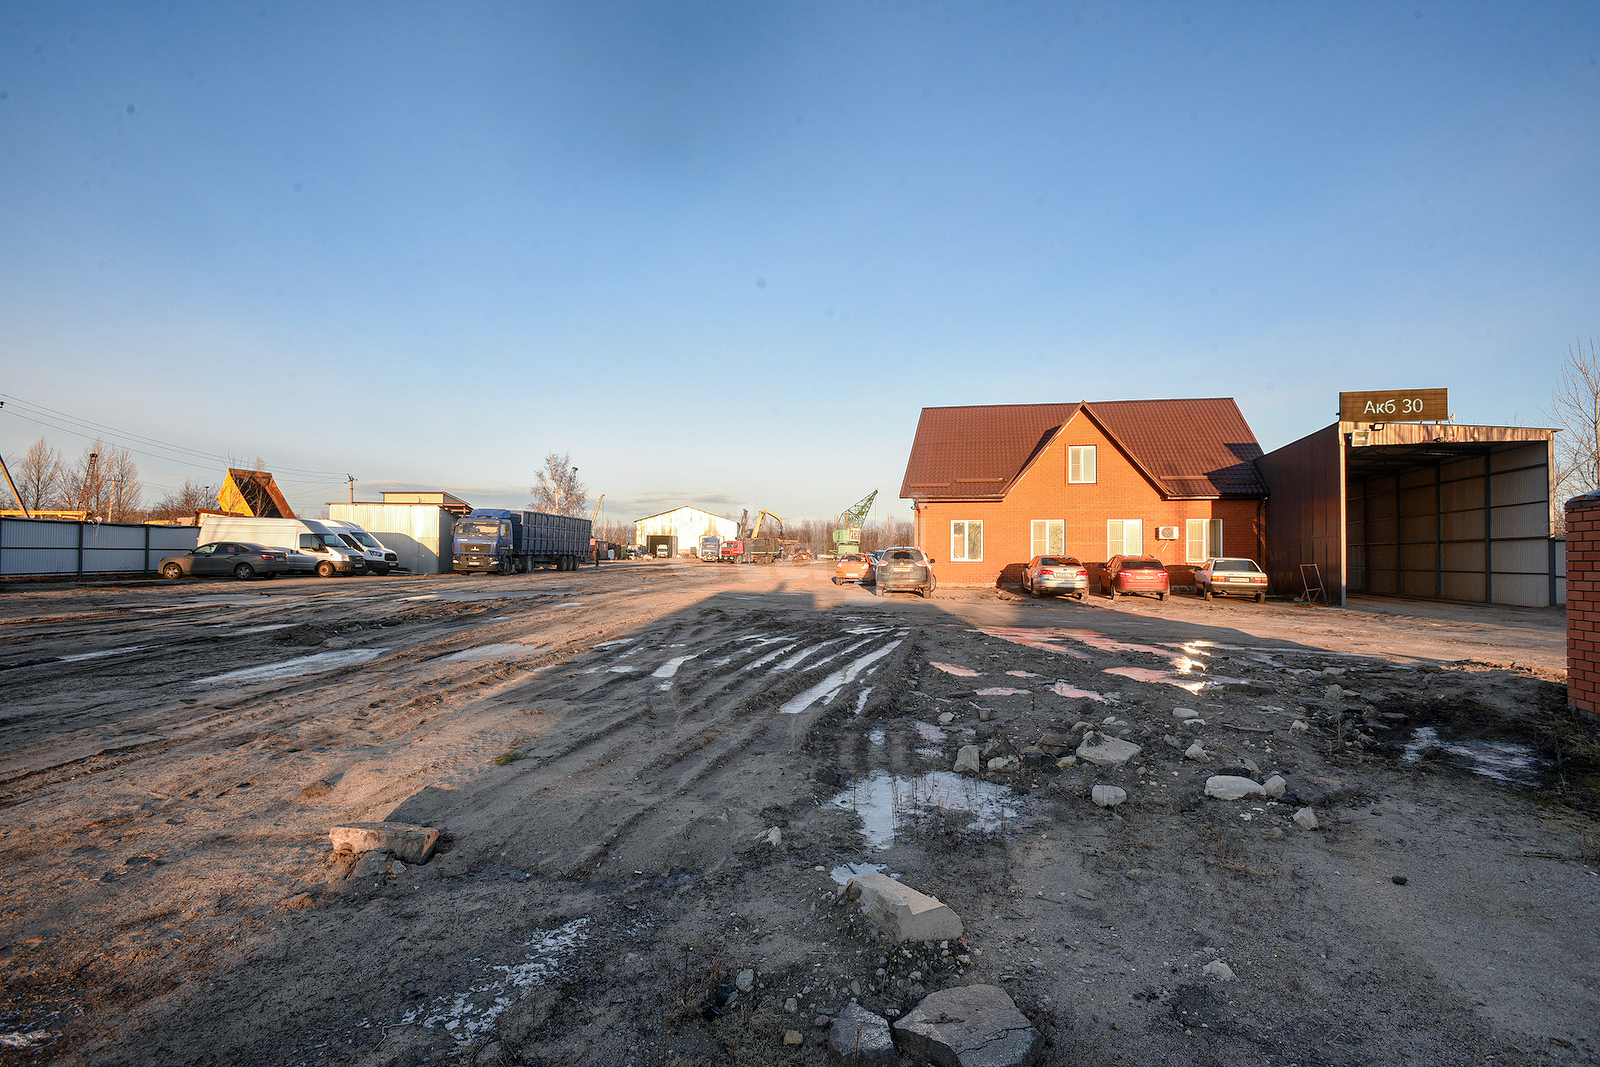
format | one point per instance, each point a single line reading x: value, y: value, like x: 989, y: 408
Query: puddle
x: 951, y: 668
x: 796, y: 659
x: 861, y: 699
x: 1506, y: 762
x: 1072, y: 692
x: 1040, y: 639
x: 846, y: 871
x: 1000, y: 691
x: 883, y: 801
x: 669, y: 669
x: 830, y: 686
x: 768, y: 658
x: 614, y: 644
x: 1021, y: 674
x: 472, y: 1015
x: 314, y: 664
x: 1152, y: 676
x: 511, y: 648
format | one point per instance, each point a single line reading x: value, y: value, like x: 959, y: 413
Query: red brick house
x: 994, y: 486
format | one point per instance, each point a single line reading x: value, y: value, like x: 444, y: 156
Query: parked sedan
x: 905, y: 570
x: 1231, y: 577
x: 1125, y: 575
x: 1055, y: 574
x: 238, y: 558
x: 853, y: 567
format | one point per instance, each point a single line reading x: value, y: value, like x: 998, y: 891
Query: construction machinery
x: 847, y: 537
x: 254, y: 494
x: 759, y: 549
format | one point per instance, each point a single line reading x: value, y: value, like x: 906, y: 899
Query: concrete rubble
x: 969, y: 1026
x: 1108, y: 796
x: 857, y: 1036
x: 968, y: 760
x: 403, y: 841
x: 1105, y: 751
x: 1233, y: 787
x: 902, y: 912
x: 1306, y: 819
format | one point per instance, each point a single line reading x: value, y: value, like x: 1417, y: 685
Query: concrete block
x: 403, y: 841
x: 969, y: 1026
x: 904, y: 913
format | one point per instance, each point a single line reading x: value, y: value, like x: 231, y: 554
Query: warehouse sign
x: 1395, y: 405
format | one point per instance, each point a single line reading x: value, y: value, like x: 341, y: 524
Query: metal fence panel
x: 44, y: 547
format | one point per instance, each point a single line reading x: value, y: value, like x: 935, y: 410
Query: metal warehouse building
x: 417, y: 526
x: 1415, y: 509
x: 687, y: 524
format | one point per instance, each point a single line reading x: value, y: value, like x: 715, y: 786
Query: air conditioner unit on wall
x: 1166, y: 533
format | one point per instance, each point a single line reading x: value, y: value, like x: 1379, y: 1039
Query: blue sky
x: 723, y: 254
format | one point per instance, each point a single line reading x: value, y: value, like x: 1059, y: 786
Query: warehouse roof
x: 1198, y: 448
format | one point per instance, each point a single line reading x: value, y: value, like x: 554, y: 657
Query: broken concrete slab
x: 968, y: 760
x: 969, y: 1026
x: 1105, y: 751
x: 403, y: 841
x: 1306, y: 819
x: 1233, y: 787
x: 856, y: 1035
x: 1108, y: 796
x: 902, y: 912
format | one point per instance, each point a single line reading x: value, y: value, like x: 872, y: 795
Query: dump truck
x: 509, y: 541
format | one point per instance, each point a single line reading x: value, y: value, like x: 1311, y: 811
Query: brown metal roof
x: 1187, y: 448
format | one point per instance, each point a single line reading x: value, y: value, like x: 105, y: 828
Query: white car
x: 1231, y: 576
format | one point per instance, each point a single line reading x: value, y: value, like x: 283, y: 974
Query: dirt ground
x: 608, y: 752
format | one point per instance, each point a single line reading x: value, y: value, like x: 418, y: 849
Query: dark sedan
x: 238, y: 558
x: 904, y: 570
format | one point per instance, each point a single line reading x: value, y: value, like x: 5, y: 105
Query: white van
x: 379, y: 559
x: 308, y: 537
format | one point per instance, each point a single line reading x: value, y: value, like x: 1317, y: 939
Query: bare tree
x: 39, y: 476
x: 557, y: 490
x: 1576, y: 410
x: 184, y: 502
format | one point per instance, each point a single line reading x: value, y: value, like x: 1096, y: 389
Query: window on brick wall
x: 1049, y: 537
x: 966, y: 540
x: 1080, y: 463
x: 1124, y: 537
x: 1203, y: 538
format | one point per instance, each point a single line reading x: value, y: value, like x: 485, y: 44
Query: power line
x: 60, y: 420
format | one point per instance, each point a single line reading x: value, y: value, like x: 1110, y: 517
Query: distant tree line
x: 103, y: 483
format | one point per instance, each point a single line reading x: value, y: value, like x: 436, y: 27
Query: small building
x: 686, y: 524
x: 417, y: 527
x: 994, y: 486
x: 1414, y: 509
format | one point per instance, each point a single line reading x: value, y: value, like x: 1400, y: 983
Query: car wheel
x: 325, y: 569
x: 836, y: 581
x: 1161, y: 596
x: 1113, y: 594
x: 172, y: 572
x: 1261, y: 598
x: 244, y: 572
x: 1080, y: 596
x: 1206, y: 592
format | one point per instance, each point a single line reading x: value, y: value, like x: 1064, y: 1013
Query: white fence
x: 42, y: 547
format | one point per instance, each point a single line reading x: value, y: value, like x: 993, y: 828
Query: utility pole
x: 22, y: 504
x: 351, y: 478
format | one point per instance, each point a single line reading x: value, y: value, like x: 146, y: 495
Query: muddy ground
x: 608, y: 751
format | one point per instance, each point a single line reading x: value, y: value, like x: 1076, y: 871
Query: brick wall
x: 1583, y: 602
x: 1120, y: 491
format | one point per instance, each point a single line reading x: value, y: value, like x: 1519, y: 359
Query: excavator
x: 765, y: 549
x: 847, y: 538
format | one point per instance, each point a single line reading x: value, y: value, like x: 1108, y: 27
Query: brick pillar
x: 1583, y: 602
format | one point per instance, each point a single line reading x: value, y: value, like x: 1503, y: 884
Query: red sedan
x: 1126, y: 575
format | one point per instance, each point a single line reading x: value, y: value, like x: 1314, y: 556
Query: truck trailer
x: 509, y: 541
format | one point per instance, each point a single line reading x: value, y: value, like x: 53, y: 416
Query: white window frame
x: 1076, y: 456
x: 959, y: 554
x: 1204, y: 533
x: 1118, y: 545
x: 1047, y: 537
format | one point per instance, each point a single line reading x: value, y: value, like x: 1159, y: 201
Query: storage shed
x: 687, y: 524
x: 420, y: 534
x: 1429, y: 510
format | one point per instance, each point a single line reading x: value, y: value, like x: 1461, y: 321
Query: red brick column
x: 1583, y: 602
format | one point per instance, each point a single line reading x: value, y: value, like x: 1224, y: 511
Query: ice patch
x: 1506, y: 762
x: 25, y: 1038
x: 262, y: 629
x: 768, y: 658
x: 1022, y: 674
x: 509, y: 648
x: 830, y: 686
x: 313, y: 664
x: 876, y: 737
x: 470, y: 1016
x: 951, y: 668
x: 883, y: 800
x: 861, y: 699
x: 800, y: 656
x: 1000, y: 691
x: 623, y: 668
x: 1072, y: 692
x: 846, y: 871
x: 669, y: 669
x: 614, y: 644
x: 929, y: 732
x: 79, y: 657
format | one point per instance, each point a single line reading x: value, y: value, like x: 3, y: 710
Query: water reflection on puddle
x: 1502, y: 761
x: 883, y: 801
